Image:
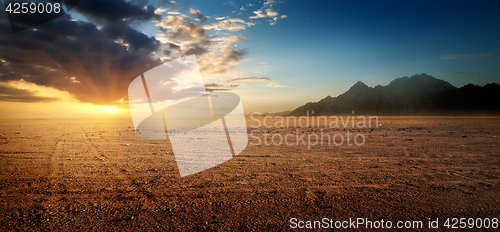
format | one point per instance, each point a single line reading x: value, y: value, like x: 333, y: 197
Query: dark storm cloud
x: 21, y: 95
x: 115, y: 10
x: 136, y: 39
x: 140, y: 2
x: 95, y: 65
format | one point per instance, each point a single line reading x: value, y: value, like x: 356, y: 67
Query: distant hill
x: 420, y: 94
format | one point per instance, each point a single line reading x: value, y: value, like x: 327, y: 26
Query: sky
x: 276, y: 55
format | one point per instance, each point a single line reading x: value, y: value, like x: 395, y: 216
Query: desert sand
x: 97, y: 174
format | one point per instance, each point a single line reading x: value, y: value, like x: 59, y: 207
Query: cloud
x: 213, y: 84
x: 213, y: 42
x: 229, y: 24
x: 257, y: 79
x: 134, y: 39
x: 160, y: 10
x: 271, y: 3
x: 174, y: 13
x: 267, y: 11
x: 220, y: 61
x: 104, y: 59
x: 234, y: 39
x: 184, y: 36
x: 8, y: 93
x: 249, y: 79
x: 275, y: 85
x: 198, y: 14
x: 73, y: 80
x: 182, y: 30
x: 95, y: 61
x: 259, y: 14
x: 169, y: 3
x: 471, y: 56
x: 216, y: 55
x: 115, y: 10
x: 216, y: 89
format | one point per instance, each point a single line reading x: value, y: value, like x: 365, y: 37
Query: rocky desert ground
x: 98, y: 175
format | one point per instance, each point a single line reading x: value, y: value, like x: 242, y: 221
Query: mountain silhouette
x: 420, y: 95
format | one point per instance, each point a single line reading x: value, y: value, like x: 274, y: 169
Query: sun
x: 110, y: 109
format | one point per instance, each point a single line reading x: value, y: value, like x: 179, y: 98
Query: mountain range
x: 420, y: 94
